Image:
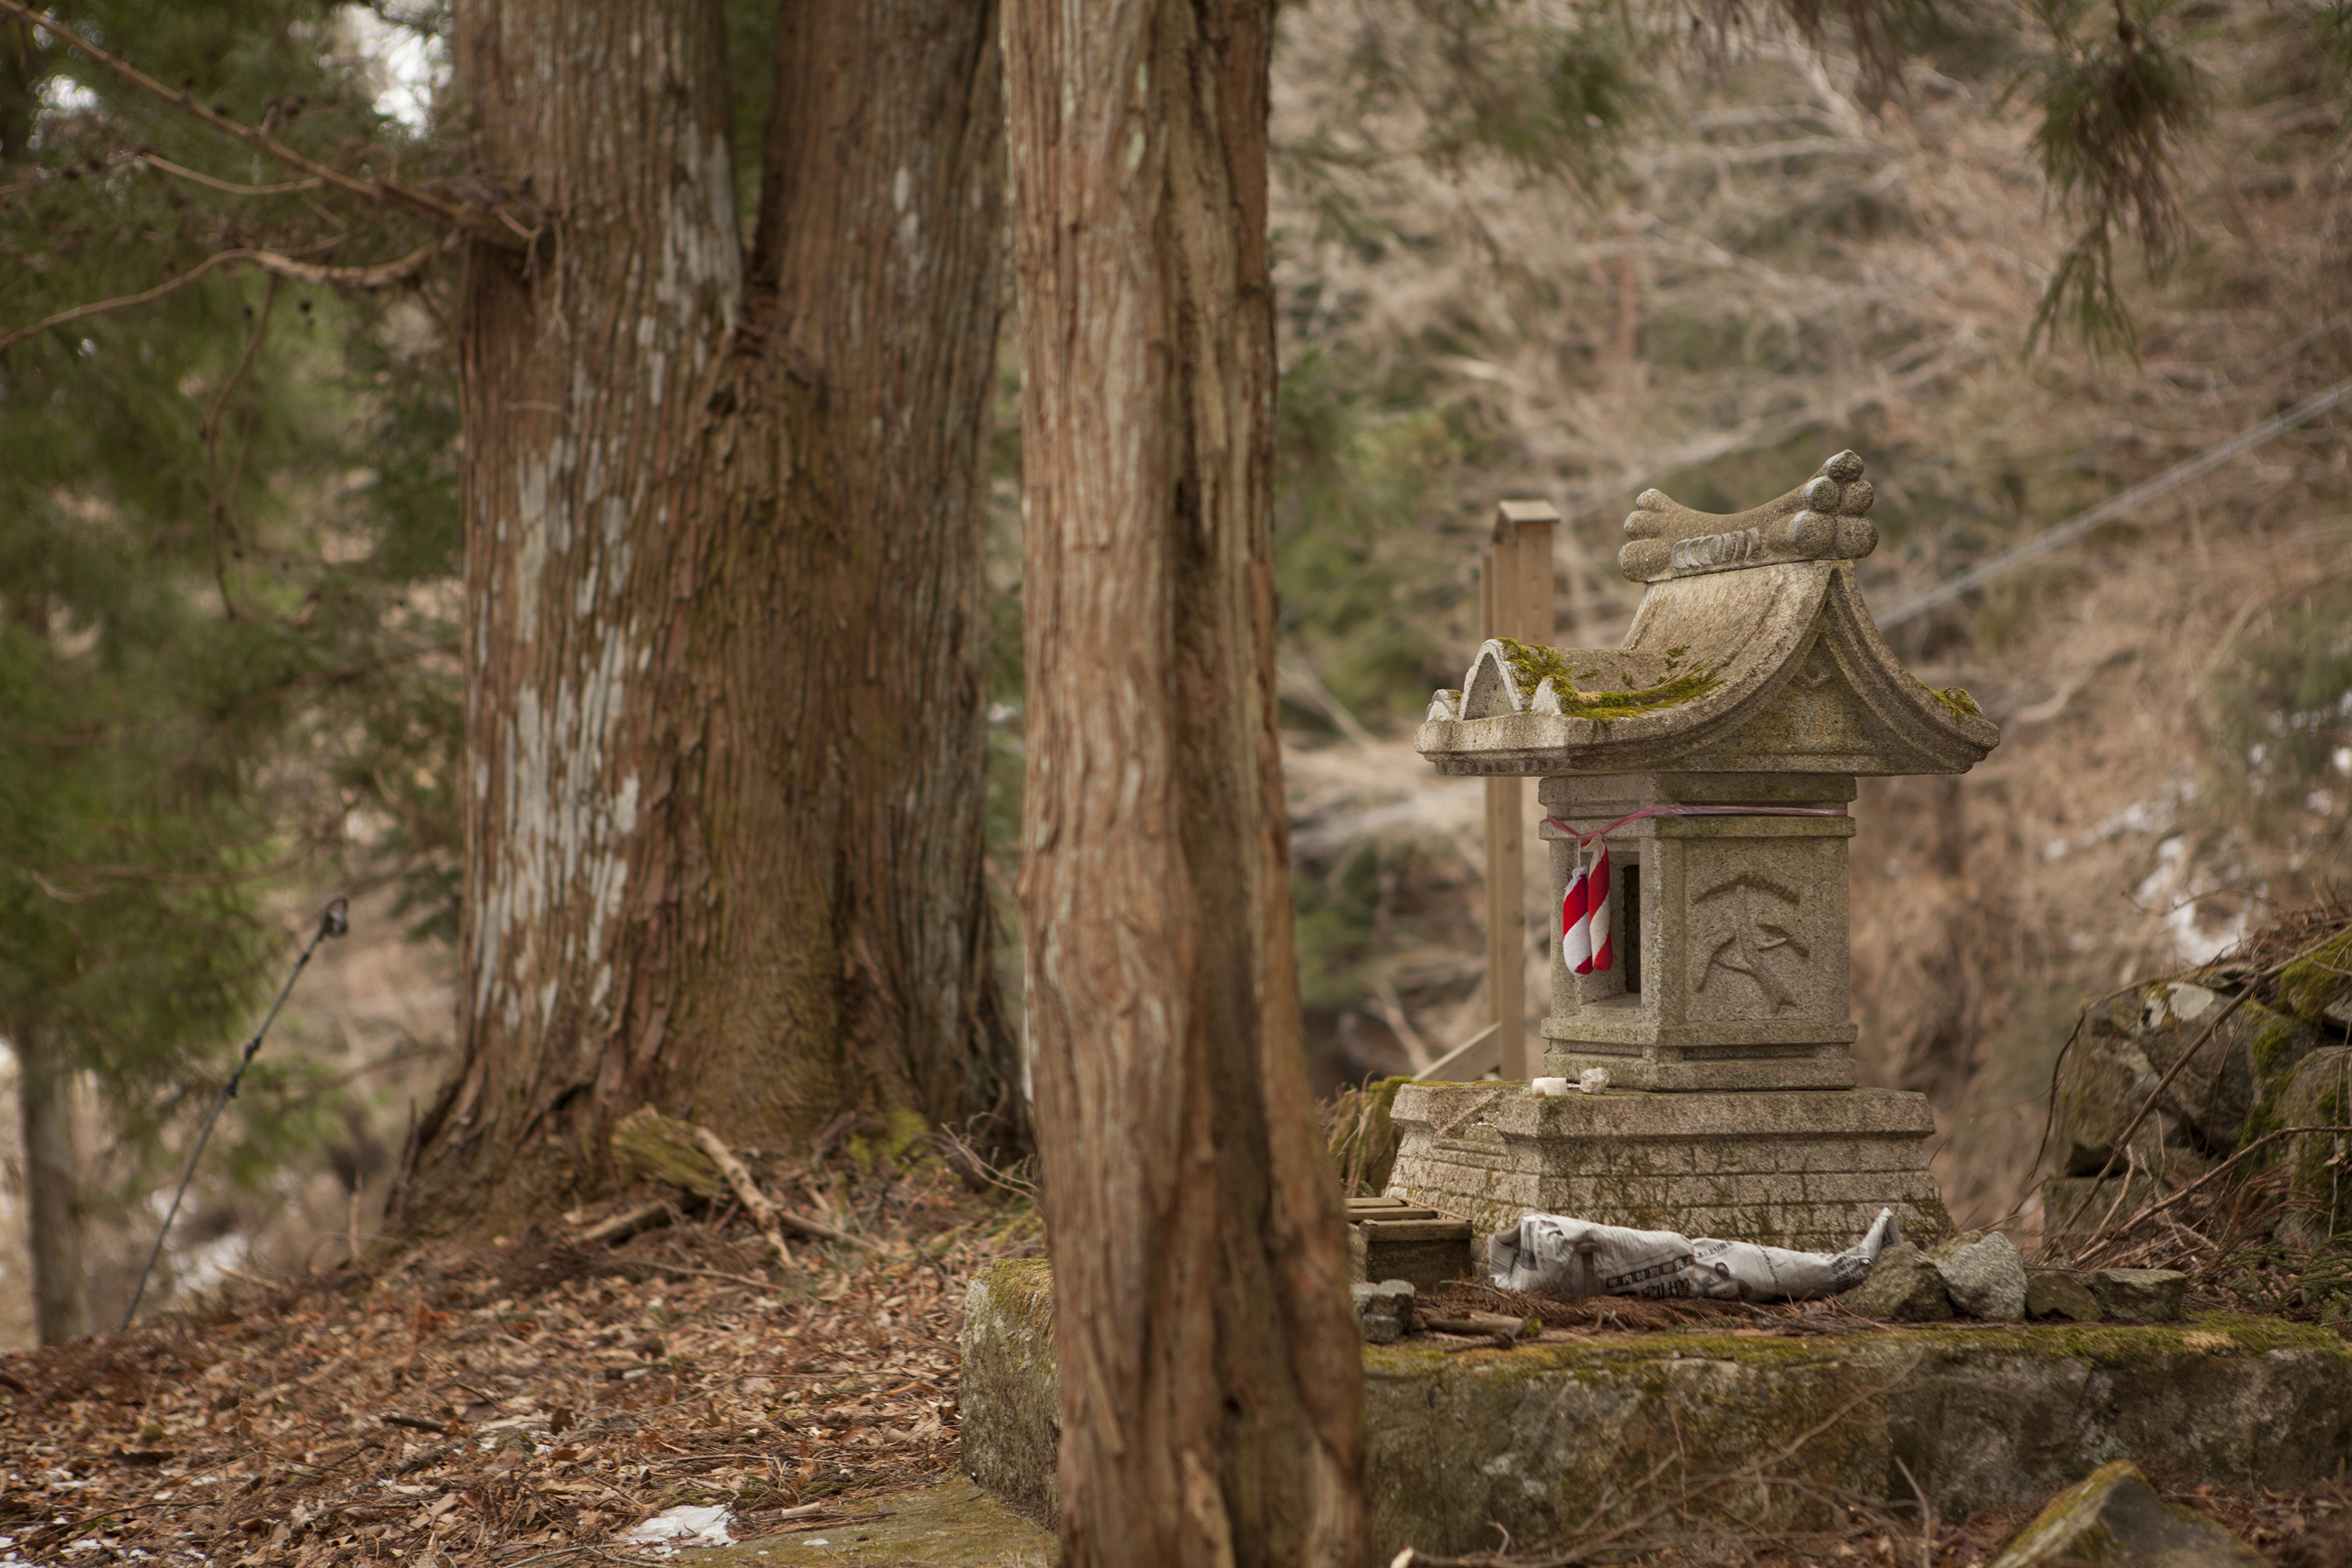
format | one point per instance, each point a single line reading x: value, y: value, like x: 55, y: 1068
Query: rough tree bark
x: 725, y: 634
x: 52, y: 1178
x: 1211, y: 1393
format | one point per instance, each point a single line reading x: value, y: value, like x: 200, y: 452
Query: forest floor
x: 525, y: 1399
x: 538, y: 1399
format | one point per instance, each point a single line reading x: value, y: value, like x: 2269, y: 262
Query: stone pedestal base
x: 1803, y: 1168
x: 1664, y: 1069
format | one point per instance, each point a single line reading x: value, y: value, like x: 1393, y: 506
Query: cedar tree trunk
x: 1211, y: 1383
x: 724, y: 628
x: 52, y: 1206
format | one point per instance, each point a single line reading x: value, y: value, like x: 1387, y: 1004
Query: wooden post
x: 1532, y: 521
x: 1514, y: 600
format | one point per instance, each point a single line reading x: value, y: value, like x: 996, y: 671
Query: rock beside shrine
x: 2114, y: 1516
x: 1905, y: 1287
x: 2060, y: 1293
x: 1984, y: 1276
x: 2316, y: 1093
x: 1383, y: 1310
x: 2139, y: 1295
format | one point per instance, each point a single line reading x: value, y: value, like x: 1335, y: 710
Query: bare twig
x: 231, y: 187
x: 627, y: 1261
x: 384, y: 275
x: 2123, y: 1139
x: 492, y: 226
x: 1492, y: 1323
x: 2150, y: 1213
x: 219, y: 508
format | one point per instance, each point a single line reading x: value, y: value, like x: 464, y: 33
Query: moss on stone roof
x: 1532, y: 664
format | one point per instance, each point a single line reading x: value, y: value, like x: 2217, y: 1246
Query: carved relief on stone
x: 1751, y: 949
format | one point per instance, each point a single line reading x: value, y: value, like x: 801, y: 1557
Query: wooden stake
x: 1516, y: 601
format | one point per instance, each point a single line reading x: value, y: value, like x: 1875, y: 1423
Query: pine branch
x: 384, y: 275
x: 497, y: 227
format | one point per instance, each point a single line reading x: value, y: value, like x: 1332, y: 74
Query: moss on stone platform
x: 1749, y: 1423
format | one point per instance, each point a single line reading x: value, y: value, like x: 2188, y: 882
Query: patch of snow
x: 685, y: 1525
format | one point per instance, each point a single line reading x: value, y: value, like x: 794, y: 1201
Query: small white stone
x: 1592, y: 1080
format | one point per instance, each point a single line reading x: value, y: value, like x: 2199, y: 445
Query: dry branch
x: 755, y: 1202
x: 627, y: 1223
x: 1474, y: 1323
x: 2123, y: 1139
x: 649, y: 1145
x: 384, y: 275
x: 287, y: 187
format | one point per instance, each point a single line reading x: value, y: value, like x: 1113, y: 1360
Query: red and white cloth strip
x: 1585, y: 943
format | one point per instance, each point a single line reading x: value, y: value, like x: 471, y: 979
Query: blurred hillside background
x: 1524, y: 249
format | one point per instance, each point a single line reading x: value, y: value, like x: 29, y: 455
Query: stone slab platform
x: 1806, y: 1168
x: 1744, y: 1426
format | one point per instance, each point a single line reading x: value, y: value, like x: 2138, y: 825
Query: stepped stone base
x: 1563, y: 1436
x: 1686, y: 1072
x: 1787, y: 1167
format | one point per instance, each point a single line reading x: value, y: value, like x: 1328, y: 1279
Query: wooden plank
x: 1468, y: 1062
x: 1385, y: 1232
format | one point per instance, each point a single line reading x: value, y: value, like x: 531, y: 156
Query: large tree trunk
x: 1212, y: 1391
x: 724, y: 641
x: 52, y: 1177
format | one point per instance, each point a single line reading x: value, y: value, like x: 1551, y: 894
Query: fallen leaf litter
x: 534, y: 1400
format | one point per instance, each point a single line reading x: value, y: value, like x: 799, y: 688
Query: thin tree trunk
x: 1211, y: 1390
x: 52, y: 1177
x: 725, y: 639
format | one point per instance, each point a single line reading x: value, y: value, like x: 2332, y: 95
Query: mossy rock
x: 1010, y: 1389
x: 2318, y: 1093
x: 2112, y: 1517
x: 2319, y: 981
x: 905, y: 1141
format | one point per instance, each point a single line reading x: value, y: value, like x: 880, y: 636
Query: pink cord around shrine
x: 1584, y: 839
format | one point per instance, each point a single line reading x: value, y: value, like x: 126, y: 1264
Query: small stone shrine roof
x: 1752, y: 652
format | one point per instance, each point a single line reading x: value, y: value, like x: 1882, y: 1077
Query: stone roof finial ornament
x: 1827, y: 518
x: 1752, y: 651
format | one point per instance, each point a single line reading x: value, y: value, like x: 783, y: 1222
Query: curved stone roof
x: 1752, y: 652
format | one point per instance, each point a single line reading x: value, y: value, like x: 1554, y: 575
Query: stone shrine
x: 1714, y: 755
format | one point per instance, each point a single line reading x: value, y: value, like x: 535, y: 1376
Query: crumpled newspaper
x: 1564, y: 1257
